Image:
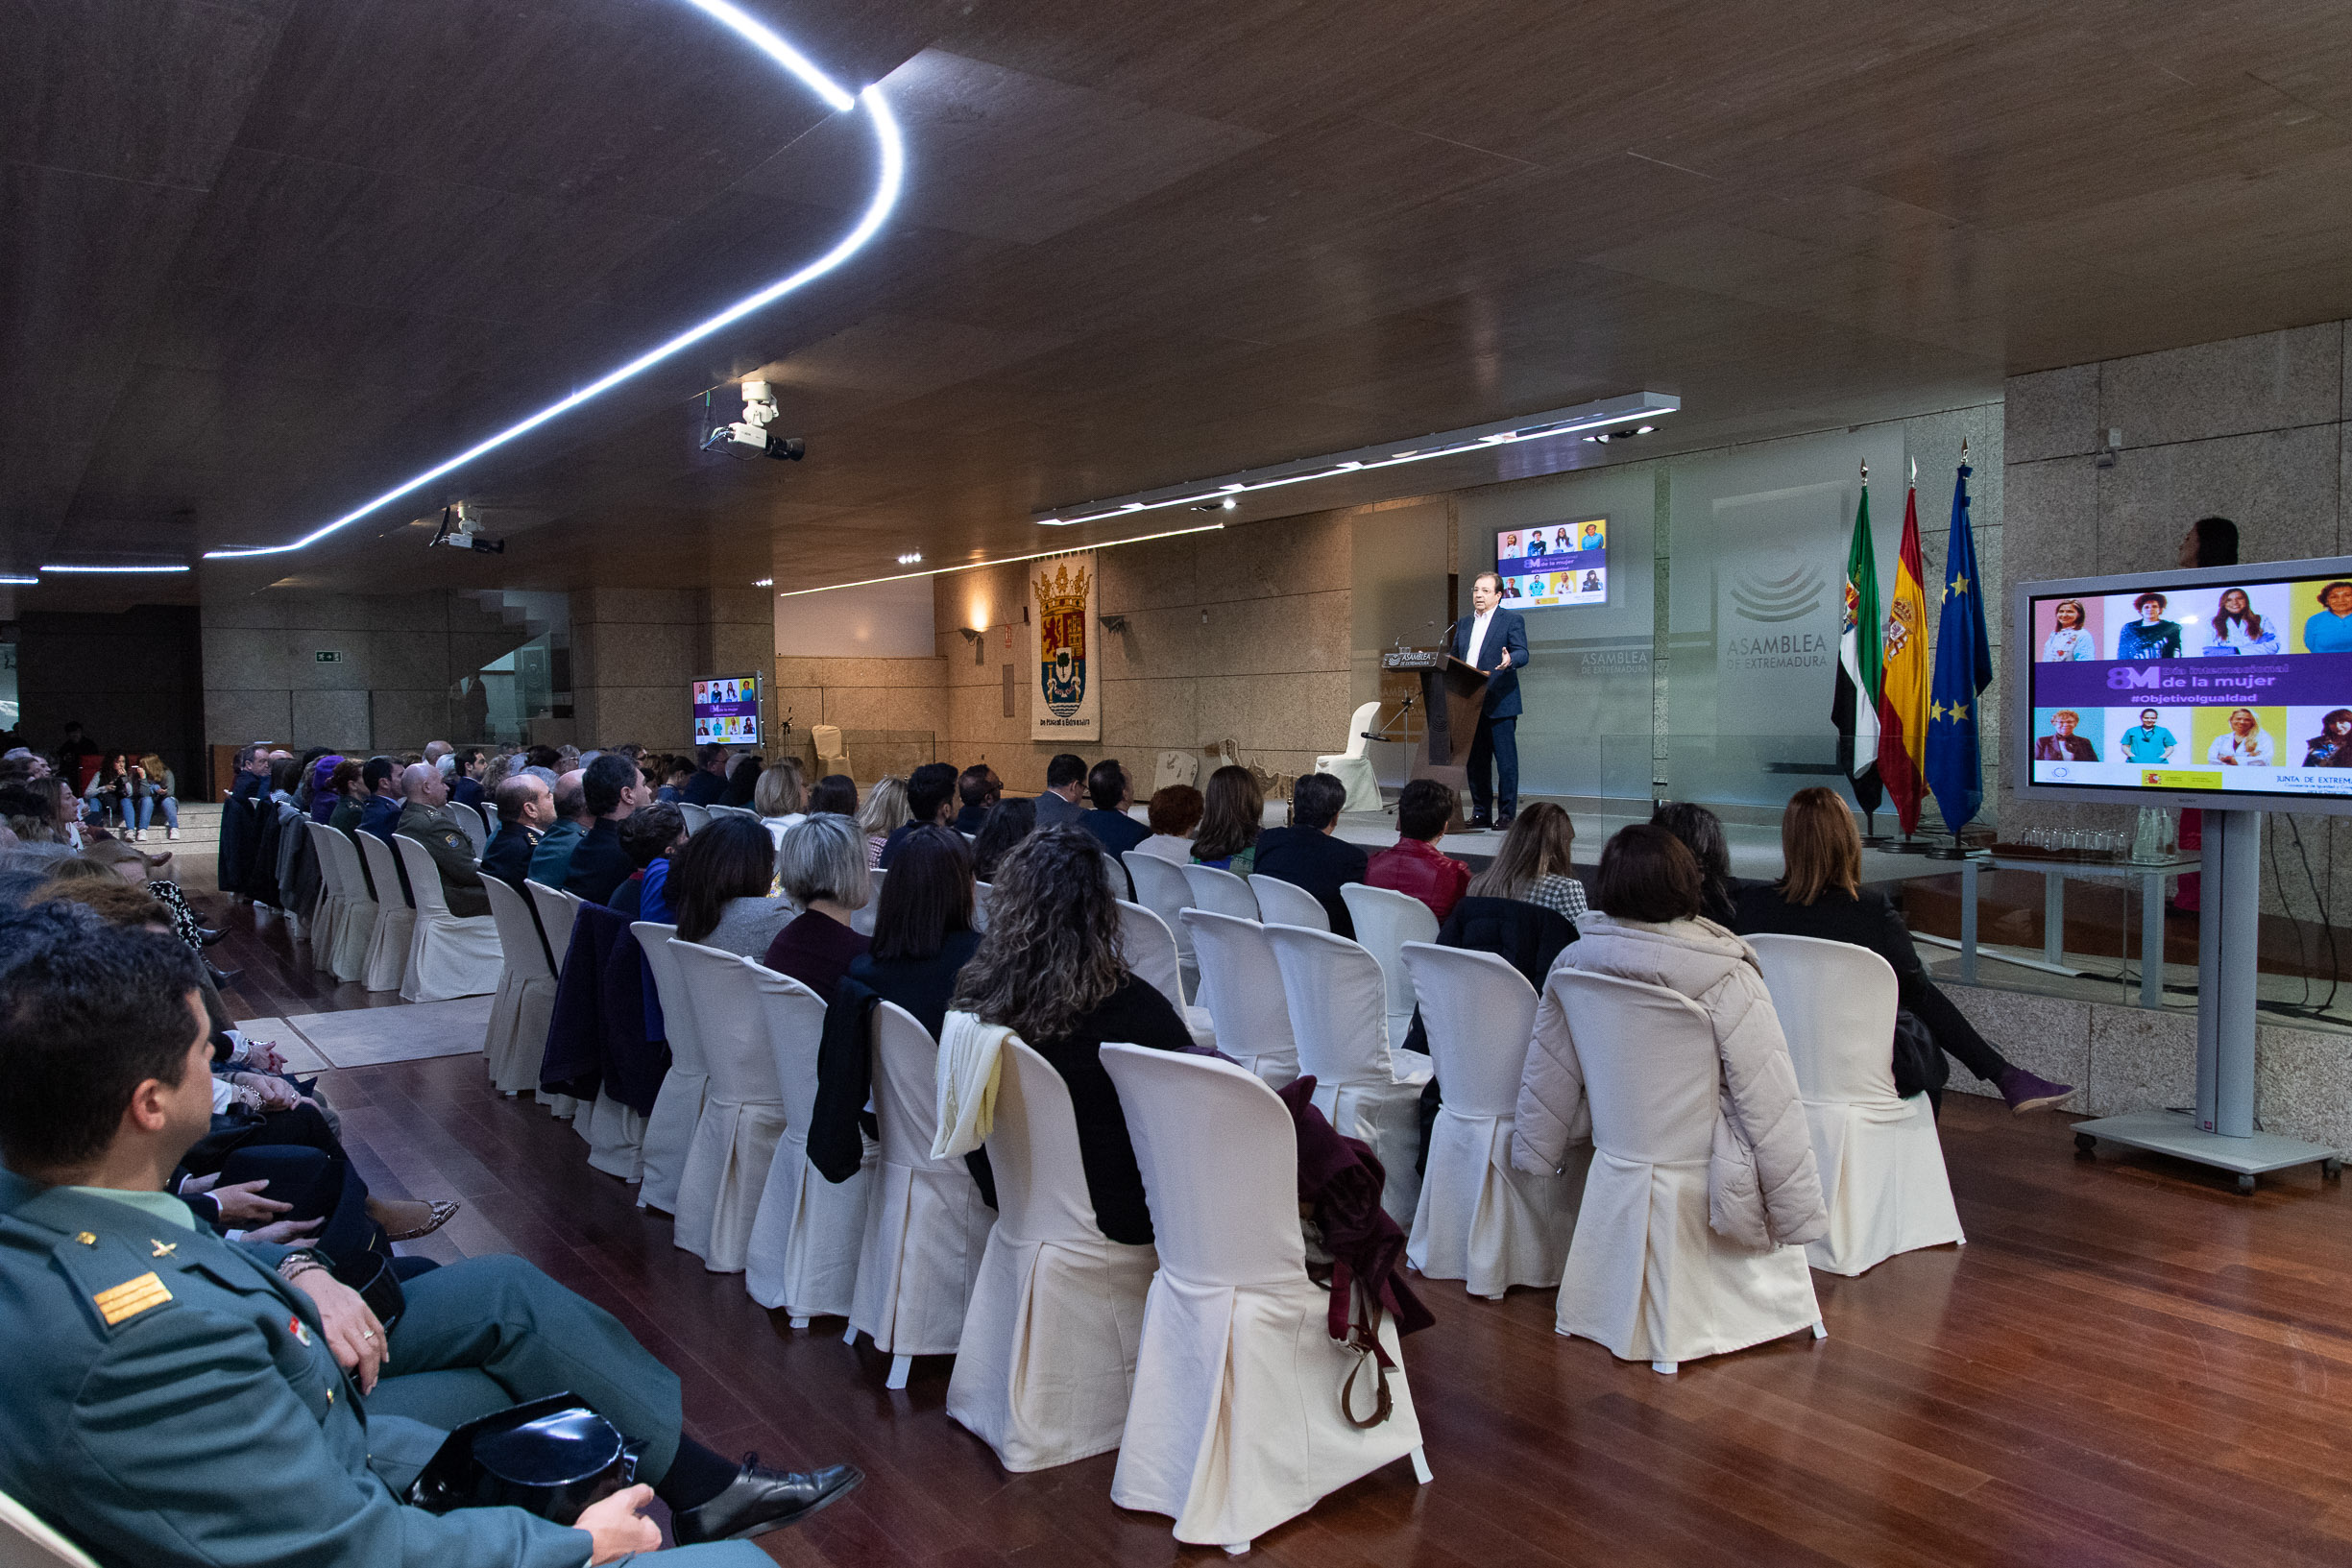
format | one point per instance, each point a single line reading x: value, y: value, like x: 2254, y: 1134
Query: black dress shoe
x: 206, y: 936
x: 224, y: 979
x: 761, y: 1500
x: 1479, y: 823
x: 1502, y: 824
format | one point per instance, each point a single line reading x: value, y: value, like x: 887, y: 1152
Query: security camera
x: 748, y: 436
x: 461, y: 528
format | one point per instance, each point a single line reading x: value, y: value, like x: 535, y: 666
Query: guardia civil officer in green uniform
x: 169, y: 1398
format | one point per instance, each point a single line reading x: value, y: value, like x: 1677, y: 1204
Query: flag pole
x: 1872, y: 838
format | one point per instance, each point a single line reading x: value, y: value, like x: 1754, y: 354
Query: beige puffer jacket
x: 1762, y: 1186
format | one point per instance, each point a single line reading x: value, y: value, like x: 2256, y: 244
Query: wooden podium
x: 1452, y: 693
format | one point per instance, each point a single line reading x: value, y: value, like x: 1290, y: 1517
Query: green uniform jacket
x: 552, y: 860
x: 452, y: 852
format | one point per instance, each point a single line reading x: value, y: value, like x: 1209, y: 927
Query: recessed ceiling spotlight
x: 910, y: 558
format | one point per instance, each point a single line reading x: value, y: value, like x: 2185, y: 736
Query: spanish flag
x: 1902, y: 697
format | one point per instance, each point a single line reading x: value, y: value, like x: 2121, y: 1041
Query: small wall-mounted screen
x: 1554, y: 564
x: 727, y: 711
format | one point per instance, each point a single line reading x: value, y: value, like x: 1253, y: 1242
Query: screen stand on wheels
x: 2222, y: 1132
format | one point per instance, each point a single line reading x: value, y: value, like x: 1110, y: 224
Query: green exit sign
x: 328, y: 656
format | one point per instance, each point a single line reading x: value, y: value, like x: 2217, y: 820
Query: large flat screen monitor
x: 1554, y: 564
x: 2224, y: 686
x: 727, y: 711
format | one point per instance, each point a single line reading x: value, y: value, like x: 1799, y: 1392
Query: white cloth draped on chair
x: 1883, y: 1174
x: 1352, y: 767
x: 1151, y: 949
x: 1479, y: 1219
x: 1287, y: 904
x: 925, y: 1227
x: 1235, y: 1424
x: 677, y: 1106
x: 1367, y: 1089
x: 449, y: 955
x: 349, y: 960
x: 1047, y: 1359
x: 328, y: 915
x: 388, y: 944
x: 805, y: 1240
x: 1220, y: 892
x: 1646, y: 1275
x: 525, y: 1000
x: 1384, y: 921
x: 742, y: 1110
x: 1241, y: 985
x: 557, y: 910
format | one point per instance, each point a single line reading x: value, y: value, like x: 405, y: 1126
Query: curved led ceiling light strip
x: 891, y: 152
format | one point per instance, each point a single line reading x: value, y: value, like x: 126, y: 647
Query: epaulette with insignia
x: 129, y: 1298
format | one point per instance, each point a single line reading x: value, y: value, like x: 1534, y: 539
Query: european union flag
x: 1963, y: 669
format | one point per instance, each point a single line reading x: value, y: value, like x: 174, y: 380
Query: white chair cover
x: 1384, y: 921
x: 1287, y: 904
x: 350, y: 959
x: 27, y: 1541
x: 1646, y: 1275
x: 1151, y: 949
x: 1882, y: 1163
x: 1241, y: 985
x: 386, y: 966
x: 1220, y: 892
x: 449, y: 955
x: 1047, y: 1356
x: 805, y: 1242
x: 616, y: 1135
x: 517, y: 1038
x: 742, y: 1110
x: 677, y: 1106
x: 925, y: 1227
x: 1480, y: 1220
x: 1352, y: 767
x: 470, y: 820
x: 326, y: 916
x: 557, y: 909
x: 980, y: 903
x: 697, y: 817
x: 1161, y: 888
x: 861, y: 918
x: 1235, y: 1424
x: 1369, y: 1091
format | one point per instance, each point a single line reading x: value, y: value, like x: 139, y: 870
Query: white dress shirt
x: 1478, y: 633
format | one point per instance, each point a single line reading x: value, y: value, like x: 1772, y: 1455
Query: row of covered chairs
x: 370, y: 929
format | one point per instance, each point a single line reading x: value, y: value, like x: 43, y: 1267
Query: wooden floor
x: 2127, y: 1364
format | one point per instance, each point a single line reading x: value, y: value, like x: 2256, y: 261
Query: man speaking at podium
x: 1494, y: 640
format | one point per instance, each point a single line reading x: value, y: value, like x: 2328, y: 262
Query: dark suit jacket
x: 1052, y: 811
x: 1115, y: 831
x: 1311, y: 858
x: 507, y: 855
x: 1507, y: 630
x: 704, y: 787
x: 598, y: 863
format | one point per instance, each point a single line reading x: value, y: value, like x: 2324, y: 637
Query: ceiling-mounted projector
x: 748, y: 436
x: 461, y: 527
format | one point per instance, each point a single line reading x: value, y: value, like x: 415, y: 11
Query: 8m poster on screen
x: 1066, y: 704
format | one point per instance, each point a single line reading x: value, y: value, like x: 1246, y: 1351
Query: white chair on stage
x: 1366, y: 1087
x: 333, y: 908
x: 1287, y: 904
x: 832, y: 757
x: 349, y: 960
x: 861, y: 918
x: 1220, y: 892
x: 557, y: 912
x: 469, y: 822
x: 1882, y: 1163
x: 1480, y: 1220
x: 449, y: 955
x: 925, y: 1227
x: 677, y: 1106
x: 525, y: 1000
x: 1235, y: 1425
x: 742, y: 1110
x: 1352, y: 767
x: 1161, y: 888
x: 1047, y: 1362
x: 1151, y: 949
x: 1647, y: 1277
x: 26, y: 1541
x: 806, y: 1237
x: 389, y: 943
x: 1384, y: 921
x: 1241, y: 985
x: 697, y: 817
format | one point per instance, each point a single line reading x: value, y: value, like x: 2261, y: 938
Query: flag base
x: 1908, y: 844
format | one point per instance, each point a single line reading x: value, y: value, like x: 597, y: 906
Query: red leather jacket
x: 1419, y: 869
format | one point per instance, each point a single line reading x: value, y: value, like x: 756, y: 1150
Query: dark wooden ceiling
x: 262, y: 258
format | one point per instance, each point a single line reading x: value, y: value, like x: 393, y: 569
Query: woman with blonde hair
x: 883, y: 810
x: 1232, y: 809
x: 159, y: 791
x: 1820, y: 894
x: 1532, y: 864
x: 779, y: 799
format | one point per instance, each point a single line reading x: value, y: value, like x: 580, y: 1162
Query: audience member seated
x: 836, y: 795
x: 1701, y: 831
x: 930, y: 803
x: 197, y: 1418
x: 325, y: 794
x: 1112, y: 792
x: 780, y: 800
x: 1822, y: 895
x: 1065, y: 777
x: 710, y: 780
x: 743, y: 781
x: 977, y: 790
x: 1049, y: 969
x: 1414, y: 865
x: 716, y: 889
x: 380, y: 814
x: 679, y: 771
x: 1307, y: 853
x: 130, y: 865
x: 30, y: 809
x: 884, y: 813
x: 552, y: 858
x: 426, y: 819
x: 347, y: 797
x: 1764, y: 1187
x: 526, y: 808
x: 1175, y: 812
x: 611, y: 788
x: 1532, y: 864
x: 823, y: 869
x: 466, y: 776
x: 240, y: 829
x: 1231, y: 811
x: 1011, y: 822
x: 648, y: 839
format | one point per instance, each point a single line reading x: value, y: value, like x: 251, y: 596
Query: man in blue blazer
x: 1495, y: 641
